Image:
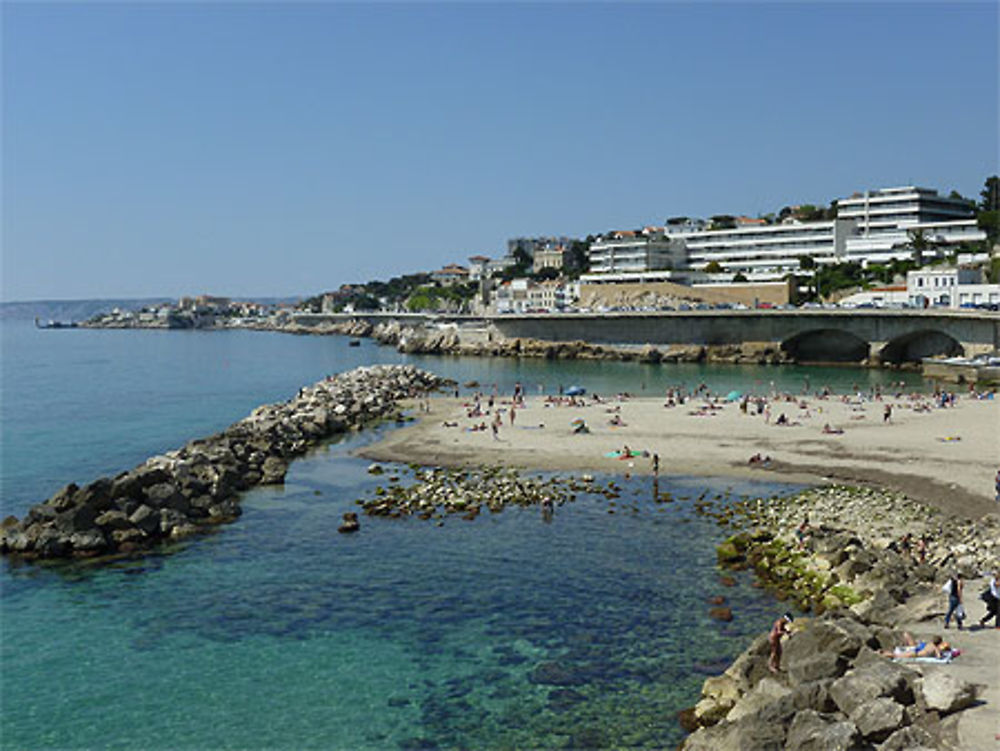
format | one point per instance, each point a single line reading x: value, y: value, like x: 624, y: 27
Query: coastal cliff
x: 184, y: 492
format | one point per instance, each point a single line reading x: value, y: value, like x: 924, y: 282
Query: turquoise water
x: 277, y: 632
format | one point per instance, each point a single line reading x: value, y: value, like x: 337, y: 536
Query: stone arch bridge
x: 876, y: 336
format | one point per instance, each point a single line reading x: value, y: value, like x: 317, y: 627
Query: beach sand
x: 945, y: 457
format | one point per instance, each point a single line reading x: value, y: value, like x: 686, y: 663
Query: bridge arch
x: 826, y: 345
x: 914, y: 345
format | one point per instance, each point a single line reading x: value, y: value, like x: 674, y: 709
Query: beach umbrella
x: 577, y: 421
x: 575, y: 391
x: 732, y: 396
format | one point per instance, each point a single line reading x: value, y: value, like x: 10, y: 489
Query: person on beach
x: 912, y: 648
x: 656, y: 465
x: 991, y: 596
x: 779, y: 629
x: 803, y: 532
x: 953, y: 587
x: 996, y: 483
x: 887, y: 413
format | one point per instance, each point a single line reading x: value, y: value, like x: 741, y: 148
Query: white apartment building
x: 886, y: 221
x: 766, y: 252
x: 629, y: 252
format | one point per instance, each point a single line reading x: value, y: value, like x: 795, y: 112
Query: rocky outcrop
x: 183, y: 492
x: 834, y: 689
x: 858, y: 701
x: 437, y: 341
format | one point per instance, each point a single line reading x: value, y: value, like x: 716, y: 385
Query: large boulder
x: 872, y: 681
x: 273, y: 471
x: 146, y: 519
x: 767, y: 691
x: 812, y: 731
x: 75, y: 519
x: 823, y: 649
x: 910, y: 738
x: 878, y: 719
x: 64, y: 498
x: 166, y: 495
x: 719, y: 694
x: 945, y: 693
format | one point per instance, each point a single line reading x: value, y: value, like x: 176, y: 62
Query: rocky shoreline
x: 834, y: 690
x: 190, y: 490
x: 453, y: 341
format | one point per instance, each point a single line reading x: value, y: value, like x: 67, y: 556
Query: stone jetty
x: 187, y: 491
x: 863, y: 581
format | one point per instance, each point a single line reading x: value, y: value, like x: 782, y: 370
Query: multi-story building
x: 478, y: 267
x: 549, y: 258
x: 632, y: 252
x: 888, y: 221
x: 764, y: 252
x: 949, y: 287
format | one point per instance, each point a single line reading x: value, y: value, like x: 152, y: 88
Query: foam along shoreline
x: 187, y: 491
x: 945, y: 457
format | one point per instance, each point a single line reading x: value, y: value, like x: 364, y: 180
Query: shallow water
x: 278, y: 632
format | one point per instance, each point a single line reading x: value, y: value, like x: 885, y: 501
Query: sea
x: 512, y: 631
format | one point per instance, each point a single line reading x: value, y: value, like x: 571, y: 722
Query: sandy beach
x: 946, y: 457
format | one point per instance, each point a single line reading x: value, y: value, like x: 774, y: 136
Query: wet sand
x: 944, y: 457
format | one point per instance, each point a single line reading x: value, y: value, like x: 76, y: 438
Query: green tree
x: 919, y: 245
x: 807, y: 263
x: 547, y: 274
x: 740, y: 278
x: 713, y: 267
x: 988, y: 216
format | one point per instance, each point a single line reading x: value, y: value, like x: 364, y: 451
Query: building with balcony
x: 887, y: 221
x: 631, y: 252
x: 766, y: 252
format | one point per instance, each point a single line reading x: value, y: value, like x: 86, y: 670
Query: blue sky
x: 254, y: 149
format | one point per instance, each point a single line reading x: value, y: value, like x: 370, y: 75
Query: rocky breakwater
x: 439, y: 341
x: 187, y: 491
x: 436, y: 492
x: 854, y: 569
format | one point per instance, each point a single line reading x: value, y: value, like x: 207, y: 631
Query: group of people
x: 911, y: 648
x: 955, y: 589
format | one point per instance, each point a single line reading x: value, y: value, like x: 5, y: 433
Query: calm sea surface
x: 277, y: 632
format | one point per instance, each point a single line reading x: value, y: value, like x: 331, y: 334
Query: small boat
x: 54, y: 325
x: 354, y: 343
x: 575, y: 391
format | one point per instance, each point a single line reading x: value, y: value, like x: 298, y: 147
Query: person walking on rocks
x: 991, y: 596
x: 779, y: 629
x: 954, y: 587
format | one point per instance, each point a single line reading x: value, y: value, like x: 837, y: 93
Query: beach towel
x: 946, y: 657
x: 619, y: 455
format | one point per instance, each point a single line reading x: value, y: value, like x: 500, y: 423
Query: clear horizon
x: 265, y: 150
